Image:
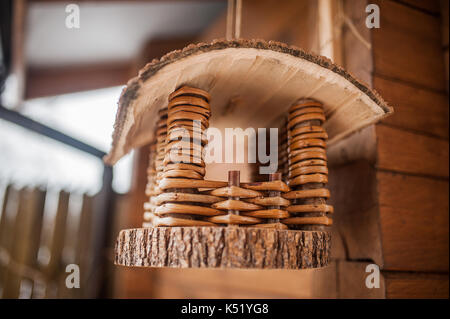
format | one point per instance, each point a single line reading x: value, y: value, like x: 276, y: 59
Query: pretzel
x: 186, y: 90
x: 232, y: 219
x: 305, y: 170
x: 269, y: 186
x: 234, y: 191
x: 199, y: 169
x: 271, y: 225
x: 186, y: 197
x: 173, y: 208
x: 182, y: 173
x: 311, y: 208
x: 167, y: 183
x: 308, y: 155
x: 299, y: 144
x: 307, y: 193
x: 190, y: 100
x: 307, y: 117
x: 305, y: 110
x: 179, y: 222
x: 269, y: 201
x: 318, y: 135
x: 304, y: 179
x: 321, y: 220
x: 307, y: 162
x: 191, y: 108
x: 268, y: 213
x: 305, y: 129
x: 233, y: 204
x: 303, y: 104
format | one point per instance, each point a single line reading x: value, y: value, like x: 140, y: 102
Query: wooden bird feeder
x: 280, y: 221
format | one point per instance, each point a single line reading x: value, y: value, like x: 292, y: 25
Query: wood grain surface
x: 222, y: 247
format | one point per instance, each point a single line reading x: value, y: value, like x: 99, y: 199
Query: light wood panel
x: 352, y: 281
x: 236, y: 283
x: 406, y: 152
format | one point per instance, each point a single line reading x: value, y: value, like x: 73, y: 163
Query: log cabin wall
x: 389, y: 182
x: 412, y: 147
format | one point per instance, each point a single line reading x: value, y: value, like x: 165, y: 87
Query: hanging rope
x: 341, y: 19
x: 234, y: 17
x: 355, y: 32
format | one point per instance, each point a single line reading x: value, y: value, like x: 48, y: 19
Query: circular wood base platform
x: 222, y: 247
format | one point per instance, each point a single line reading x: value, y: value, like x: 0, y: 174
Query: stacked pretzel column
x: 150, y: 187
x: 156, y: 166
x: 283, y: 151
x: 308, y: 172
x: 181, y: 204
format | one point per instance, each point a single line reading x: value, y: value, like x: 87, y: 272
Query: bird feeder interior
x: 195, y: 218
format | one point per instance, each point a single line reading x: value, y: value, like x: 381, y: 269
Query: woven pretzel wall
x: 174, y: 177
x: 203, y: 223
x: 230, y: 224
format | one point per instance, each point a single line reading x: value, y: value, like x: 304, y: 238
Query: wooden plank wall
x: 412, y: 148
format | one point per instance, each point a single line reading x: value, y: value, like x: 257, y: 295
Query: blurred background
x: 59, y: 204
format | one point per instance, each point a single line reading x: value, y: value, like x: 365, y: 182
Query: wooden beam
x: 48, y: 81
x: 291, y: 21
x: 60, y: 80
x: 158, y: 47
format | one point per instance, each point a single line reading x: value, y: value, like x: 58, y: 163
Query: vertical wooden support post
x: 308, y: 172
x: 234, y: 179
x: 179, y: 203
x: 274, y: 177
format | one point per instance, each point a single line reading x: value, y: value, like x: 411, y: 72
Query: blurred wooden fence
x: 41, y: 232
